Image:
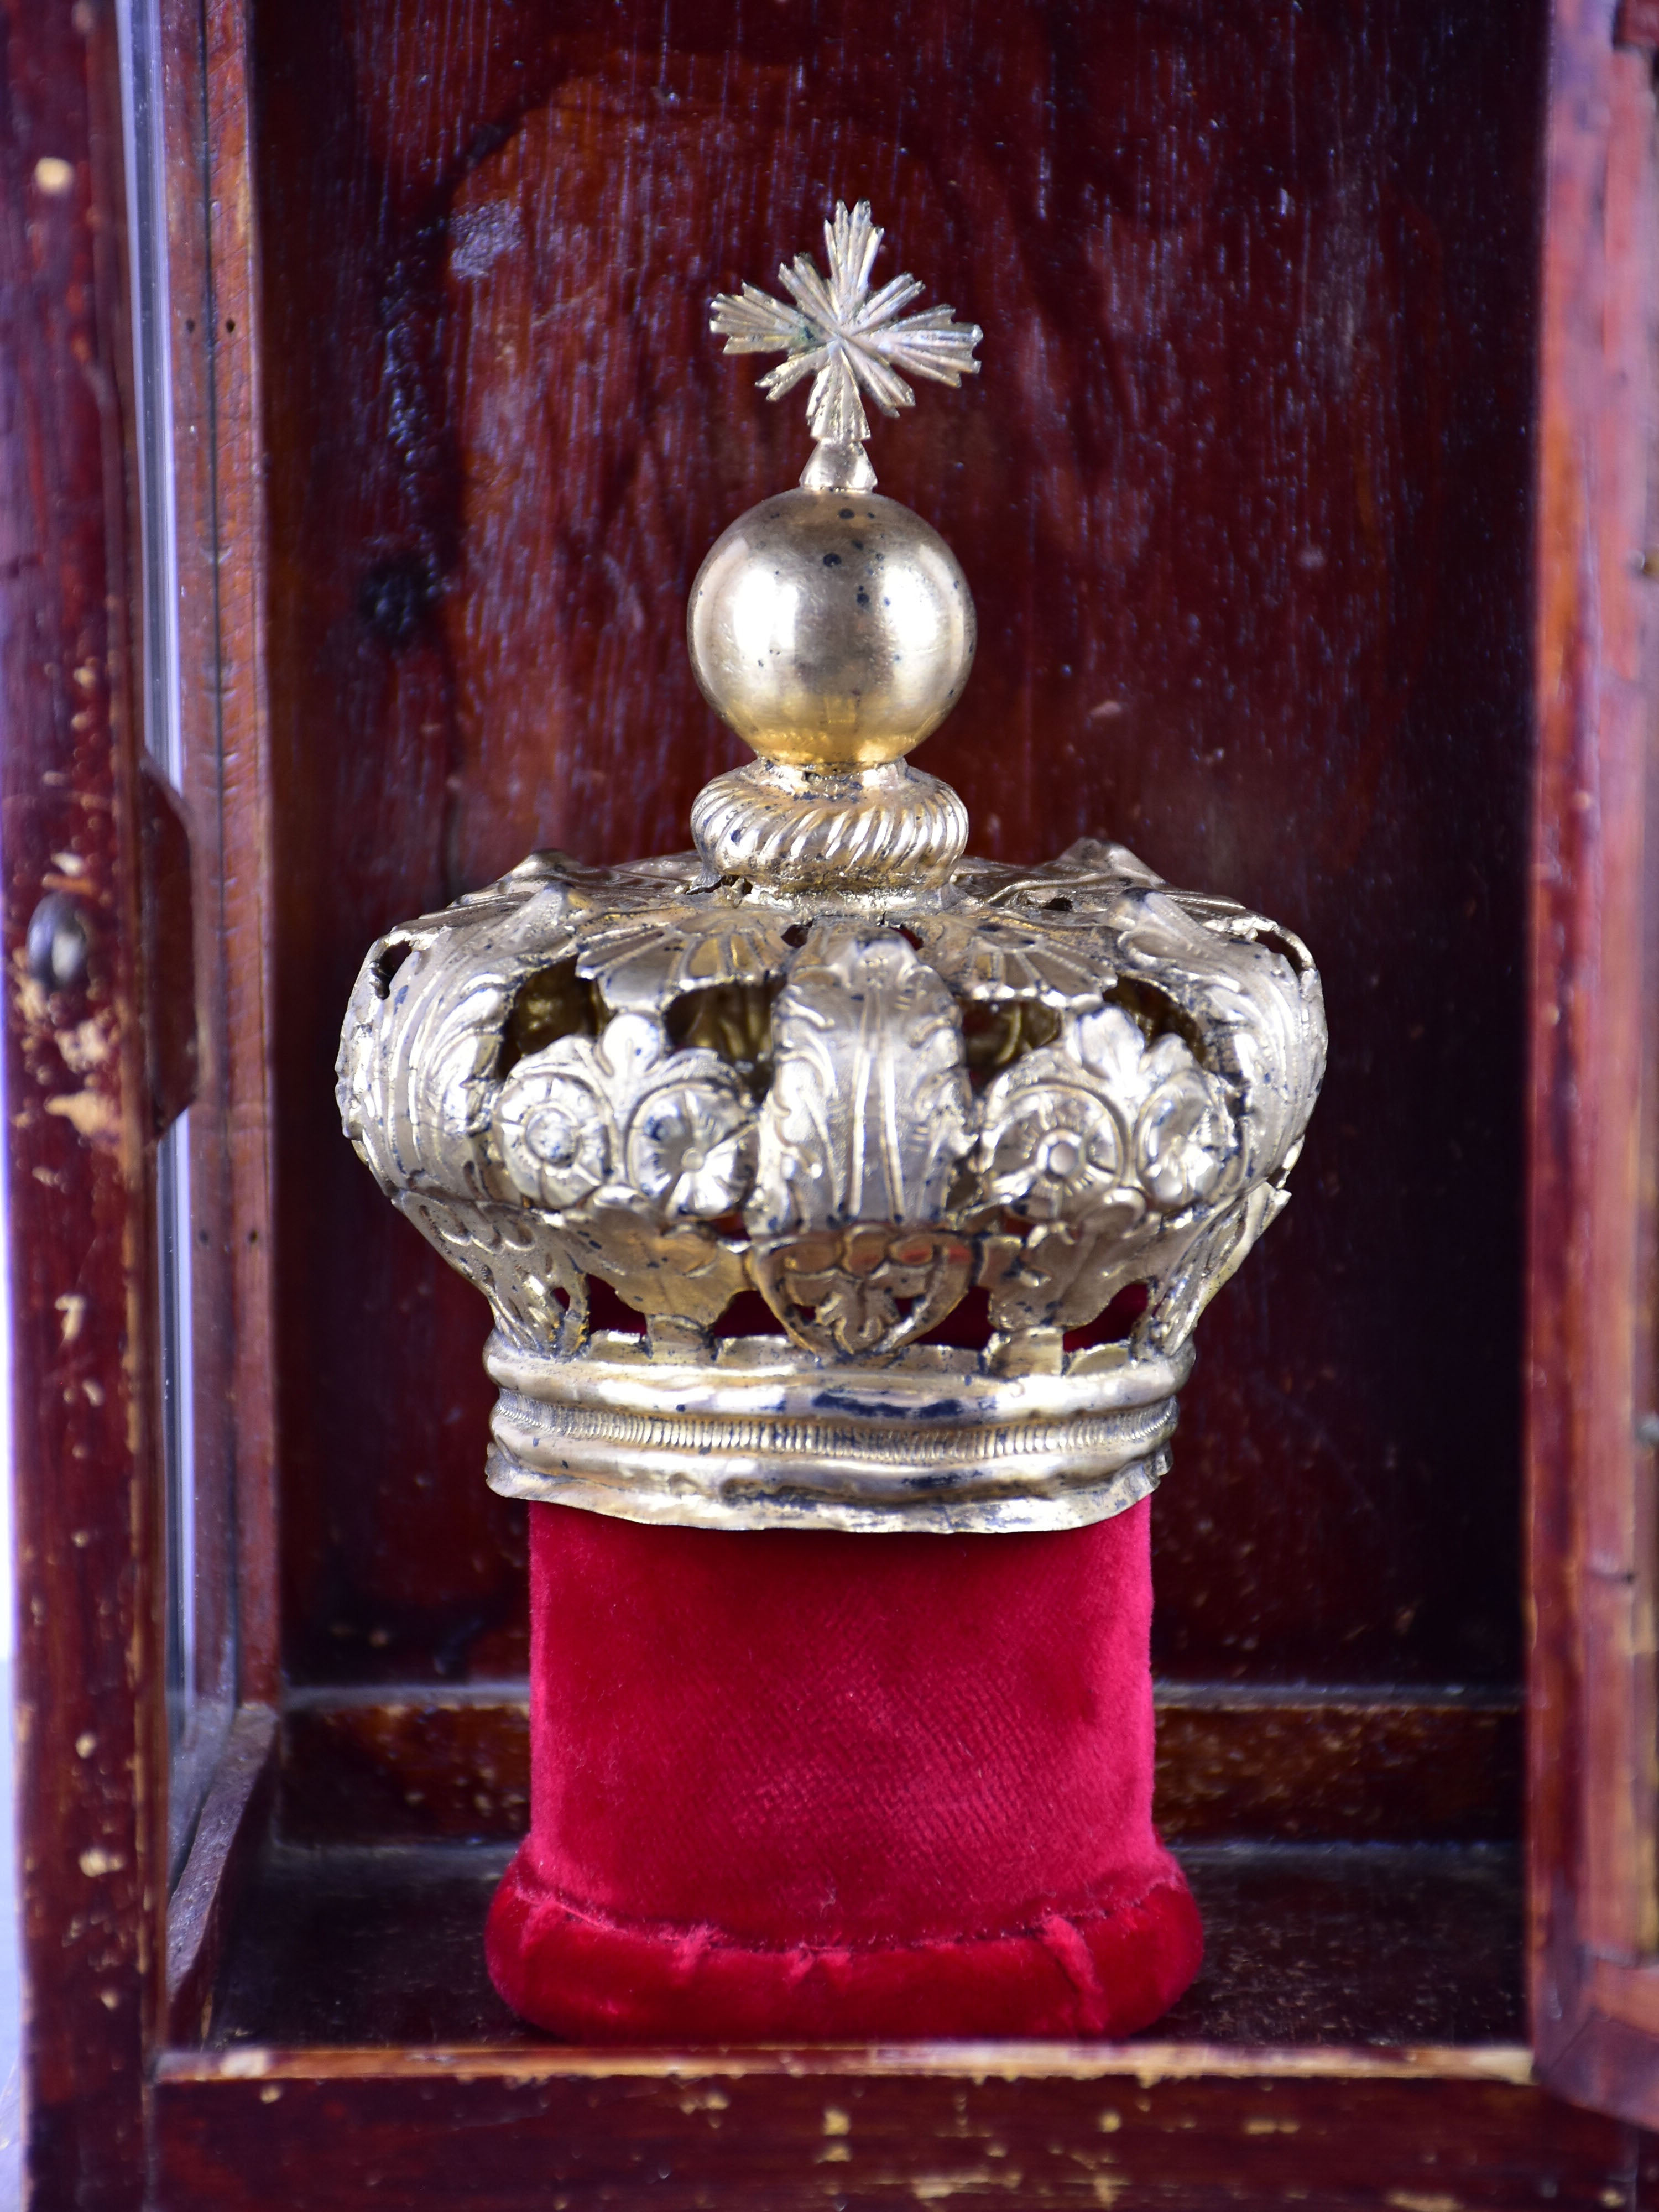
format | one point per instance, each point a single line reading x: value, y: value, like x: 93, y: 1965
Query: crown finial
x: 831, y: 628
x: 843, y: 336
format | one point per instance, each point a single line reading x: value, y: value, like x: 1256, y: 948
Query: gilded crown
x: 914, y: 1173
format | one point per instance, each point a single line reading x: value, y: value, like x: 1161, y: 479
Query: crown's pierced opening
x: 845, y: 337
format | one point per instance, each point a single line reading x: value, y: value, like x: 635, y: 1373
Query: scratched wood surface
x: 1595, y: 1098
x: 222, y: 706
x: 1137, y: 2131
x: 1243, y: 496
x: 87, y: 1726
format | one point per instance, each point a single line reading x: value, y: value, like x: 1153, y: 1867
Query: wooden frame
x: 1595, y: 1697
x: 123, y: 2103
x: 88, y: 1729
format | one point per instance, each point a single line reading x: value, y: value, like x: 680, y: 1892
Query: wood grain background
x: 1242, y: 493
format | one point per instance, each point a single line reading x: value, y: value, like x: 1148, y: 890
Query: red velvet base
x: 787, y: 1785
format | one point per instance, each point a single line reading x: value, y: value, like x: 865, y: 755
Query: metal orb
x: 831, y: 628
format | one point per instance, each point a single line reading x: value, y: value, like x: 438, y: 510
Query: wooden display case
x: 360, y: 437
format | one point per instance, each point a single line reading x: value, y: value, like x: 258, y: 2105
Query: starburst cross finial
x: 842, y: 335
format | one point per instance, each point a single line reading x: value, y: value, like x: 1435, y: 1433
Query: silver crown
x: 915, y: 1173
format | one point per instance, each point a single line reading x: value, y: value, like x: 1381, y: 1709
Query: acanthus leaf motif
x: 861, y: 1139
x: 1262, y: 1012
x: 645, y: 959
x: 1183, y: 1133
x: 1109, y: 1145
x: 868, y: 1115
x: 422, y: 1036
x: 995, y: 956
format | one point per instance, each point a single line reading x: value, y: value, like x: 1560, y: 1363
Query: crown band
x: 762, y: 1438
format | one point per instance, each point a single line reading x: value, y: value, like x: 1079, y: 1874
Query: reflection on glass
x: 200, y: 1656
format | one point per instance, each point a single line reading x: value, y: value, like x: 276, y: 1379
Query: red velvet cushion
x: 788, y: 1785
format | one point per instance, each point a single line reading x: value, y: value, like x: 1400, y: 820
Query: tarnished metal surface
x: 1047, y: 1085
x: 794, y: 828
x: 831, y: 629
x: 826, y: 1060
x: 770, y: 1436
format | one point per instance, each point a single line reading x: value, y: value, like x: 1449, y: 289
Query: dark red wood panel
x: 218, y: 604
x: 1151, y: 2132
x: 419, y: 1765
x: 87, y: 1730
x: 1243, y: 496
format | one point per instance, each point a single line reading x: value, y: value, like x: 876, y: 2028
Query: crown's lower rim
x: 928, y: 1448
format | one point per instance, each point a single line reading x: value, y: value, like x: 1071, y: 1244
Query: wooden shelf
x: 1358, y: 2023
x: 1338, y: 1944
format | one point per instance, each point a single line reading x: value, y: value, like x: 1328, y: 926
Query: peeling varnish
x: 1259, y: 2126
x: 94, y: 1862
x: 245, y: 2065
x: 837, y: 2125
x: 704, y: 2100
x: 81, y: 1047
x: 33, y: 1009
x: 1412, y: 2200
x: 91, y: 1113
x: 976, y: 2064
x: 72, y: 1308
x: 940, y: 2188
x: 84, y: 1047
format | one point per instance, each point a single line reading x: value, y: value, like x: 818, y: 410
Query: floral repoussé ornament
x: 1047, y: 1085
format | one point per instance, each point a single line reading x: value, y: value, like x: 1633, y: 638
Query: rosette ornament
x: 1109, y: 1122
x: 623, y: 1111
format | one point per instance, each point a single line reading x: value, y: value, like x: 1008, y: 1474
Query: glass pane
x: 200, y: 1647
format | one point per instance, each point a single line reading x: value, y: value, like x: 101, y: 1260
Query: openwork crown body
x: 913, y: 1174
